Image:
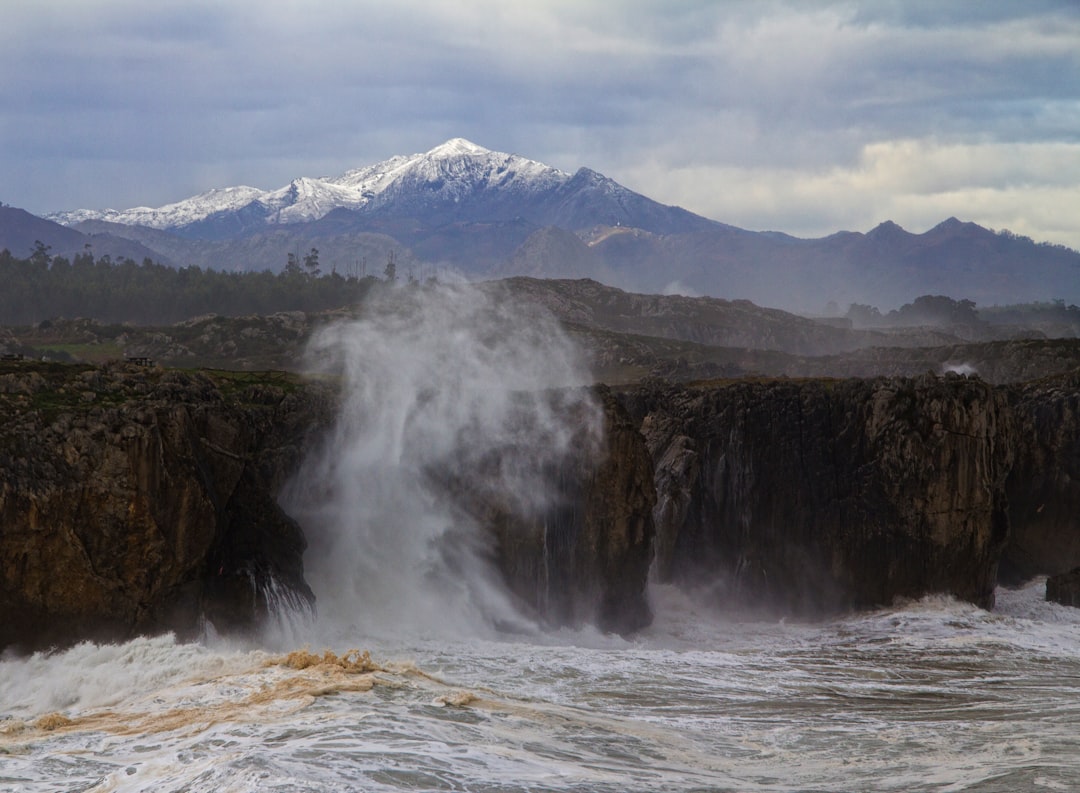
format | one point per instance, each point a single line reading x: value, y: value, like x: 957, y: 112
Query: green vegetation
x: 89, y: 352
x: 936, y: 310
x: 1043, y: 312
x: 254, y: 387
x: 44, y: 390
x: 47, y: 388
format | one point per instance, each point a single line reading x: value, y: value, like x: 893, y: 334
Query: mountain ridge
x: 466, y: 209
x: 306, y: 199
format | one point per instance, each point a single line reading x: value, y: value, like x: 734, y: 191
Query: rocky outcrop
x: 818, y: 496
x: 1044, y: 485
x: 138, y: 500
x: 1016, y: 360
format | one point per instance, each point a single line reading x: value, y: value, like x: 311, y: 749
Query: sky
x: 804, y: 117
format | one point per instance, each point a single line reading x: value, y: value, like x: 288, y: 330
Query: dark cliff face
x: 139, y: 500
x: 583, y: 556
x: 595, y: 547
x: 817, y: 496
x: 1044, y: 485
x: 134, y: 500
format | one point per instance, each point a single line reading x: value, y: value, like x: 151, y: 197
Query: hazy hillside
x: 886, y: 267
x: 656, y: 339
x: 20, y: 232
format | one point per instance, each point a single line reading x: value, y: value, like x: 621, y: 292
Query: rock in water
x: 1064, y: 588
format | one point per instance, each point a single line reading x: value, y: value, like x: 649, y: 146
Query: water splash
x: 963, y: 368
x: 446, y: 389
x: 289, y: 615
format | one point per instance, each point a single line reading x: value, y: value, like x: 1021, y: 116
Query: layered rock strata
x: 138, y: 500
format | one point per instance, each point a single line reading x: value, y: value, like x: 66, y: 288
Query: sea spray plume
x: 441, y: 384
x: 965, y: 369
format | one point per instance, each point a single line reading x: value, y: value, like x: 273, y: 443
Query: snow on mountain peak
x: 453, y: 169
x: 456, y: 147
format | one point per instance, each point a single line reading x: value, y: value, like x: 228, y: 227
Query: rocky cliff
x: 137, y: 499
x: 584, y: 557
x: 134, y: 499
x: 1044, y: 484
x: 817, y: 496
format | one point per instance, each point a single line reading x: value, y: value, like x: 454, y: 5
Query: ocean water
x: 933, y: 695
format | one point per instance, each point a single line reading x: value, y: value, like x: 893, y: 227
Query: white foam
x: 91, y: 675
x: 930, y: 695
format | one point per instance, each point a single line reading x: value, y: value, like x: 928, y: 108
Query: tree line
x: 942, y: 311
x: 43, y: 286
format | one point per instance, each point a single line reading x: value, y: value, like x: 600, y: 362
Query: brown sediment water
x: 308, y: 677
x: 925, y: 696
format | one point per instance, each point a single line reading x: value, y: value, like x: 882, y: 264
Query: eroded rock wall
x: 138, y: 500
x: 1044, y: 484
x: 584, y: 556
x: 817, y: 496
x: 135, y: 500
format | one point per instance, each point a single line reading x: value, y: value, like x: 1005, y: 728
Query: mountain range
x: 463, y: 208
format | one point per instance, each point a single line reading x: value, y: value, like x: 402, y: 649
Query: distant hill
x: 716, y: 322
x: 463, y: 208
x: 20, y: 232
x: 886, y: 267
x: 625, y: 336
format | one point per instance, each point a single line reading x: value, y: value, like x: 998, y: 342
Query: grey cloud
x: 122, y: 103
x: 933, y: 13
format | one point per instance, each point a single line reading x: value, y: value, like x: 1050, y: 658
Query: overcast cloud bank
x: 800, y: 117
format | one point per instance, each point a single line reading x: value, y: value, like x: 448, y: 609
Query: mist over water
x: 438, y: 382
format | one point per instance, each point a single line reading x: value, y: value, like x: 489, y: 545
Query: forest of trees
x: 925, y: 310
x: 45, y: 287
x: 942, y: 311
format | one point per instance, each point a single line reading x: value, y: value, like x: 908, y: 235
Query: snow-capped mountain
x: 457, y: 181
x: 452, y: 170
x: 182, y: 213
x: 448, y: 173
